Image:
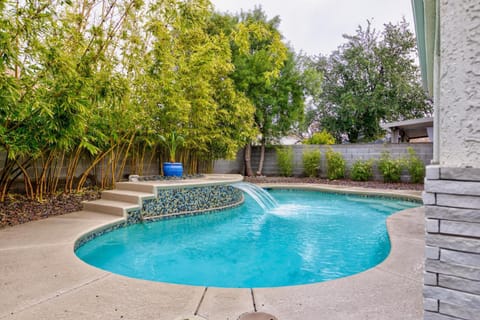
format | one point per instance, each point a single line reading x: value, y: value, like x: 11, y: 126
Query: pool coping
x: 59, y: 285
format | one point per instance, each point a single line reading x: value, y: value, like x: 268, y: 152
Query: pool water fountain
x: 260, y: 195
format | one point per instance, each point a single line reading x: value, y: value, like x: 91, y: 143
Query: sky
x: 316, y: 26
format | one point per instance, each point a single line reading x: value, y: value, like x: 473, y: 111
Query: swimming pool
x: 310, y: 237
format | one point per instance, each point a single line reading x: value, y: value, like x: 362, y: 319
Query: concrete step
x: 137, y: 187
x: 108, y: 206
x: 126, y: 196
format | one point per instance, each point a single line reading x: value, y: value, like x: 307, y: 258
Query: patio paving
x: 41, y: 278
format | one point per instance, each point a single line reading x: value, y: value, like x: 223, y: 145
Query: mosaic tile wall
x: 194, y: 199
x: 133, y: 217
x: 174, y: 202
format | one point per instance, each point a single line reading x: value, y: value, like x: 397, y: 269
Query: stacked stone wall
x: 452, y: 254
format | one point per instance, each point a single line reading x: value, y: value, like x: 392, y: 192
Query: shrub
x: 391, y: 169
x: 415, y: 166
x: 362, y: 170
x: 335, y: 165
x: 285, y: 161
x: 322, y: 137
x: 311, y: 162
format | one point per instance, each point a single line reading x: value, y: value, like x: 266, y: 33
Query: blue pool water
x: 311, y: 237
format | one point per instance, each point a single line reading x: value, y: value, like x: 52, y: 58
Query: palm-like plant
x: 172, y: 142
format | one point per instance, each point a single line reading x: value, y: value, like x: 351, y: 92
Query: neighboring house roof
x: 406, y: 130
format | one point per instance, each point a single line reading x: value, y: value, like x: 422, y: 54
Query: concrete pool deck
x: 41, y: 278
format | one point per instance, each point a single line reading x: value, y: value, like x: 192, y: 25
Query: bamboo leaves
x: 96, y: 82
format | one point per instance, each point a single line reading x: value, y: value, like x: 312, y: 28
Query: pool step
x: 117, y: 208
x: 126, y: 196
x: 136, y: 187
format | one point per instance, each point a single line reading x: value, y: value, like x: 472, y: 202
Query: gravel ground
x: 17, y: 209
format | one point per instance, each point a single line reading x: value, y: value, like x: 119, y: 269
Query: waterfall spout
x: 262, y: 197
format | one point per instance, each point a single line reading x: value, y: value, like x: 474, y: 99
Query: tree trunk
x: 248, y: 160
x: 262, y: 158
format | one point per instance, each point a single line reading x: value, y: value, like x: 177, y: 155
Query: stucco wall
x: 452, y: 189
x: 460, y: 83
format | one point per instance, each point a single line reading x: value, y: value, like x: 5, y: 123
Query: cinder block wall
x: 350, y: 152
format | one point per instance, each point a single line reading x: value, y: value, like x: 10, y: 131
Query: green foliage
x: 285, y: 161
x: 191, y: 87
x: 311, y: 79
x: 311, y: 162
x: 282, y: 105
x: 362, y: 170
x: 391, y: 169
x: 415, y: 166
x: 172, y: 142
x: 77, y: 81
x: 371, y: 78
x: 322, y: 137
x: 335, y: 164
x: 265, y: 71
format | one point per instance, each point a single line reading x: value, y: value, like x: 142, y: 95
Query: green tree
x: 281, y: 106
x: 100, y: 80
x: 47, y: 103
x: 372, y: 78
x: 193, y: 93
x: 266, y: 72
x: 67, y: 98
x: 310, y: 68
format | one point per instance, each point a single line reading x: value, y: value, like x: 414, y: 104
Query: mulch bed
x: 17, y: 209
x: 342, y: 182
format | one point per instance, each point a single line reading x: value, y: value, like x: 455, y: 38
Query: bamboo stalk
x: 113, y: 162
x: 73, y: 164
x: 125, y: 157
x: 99, y: 158
x: 27, y: 181
x: 58, y: 171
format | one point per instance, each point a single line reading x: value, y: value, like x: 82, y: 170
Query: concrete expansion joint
x: 55, y: 295
x: 253, y: 300
x: 257, y: 316
x: 200, y: 302
x: 247, y: 315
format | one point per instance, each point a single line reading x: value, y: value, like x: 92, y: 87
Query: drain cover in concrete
x: 257, y: 316
x: 190, y: 317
